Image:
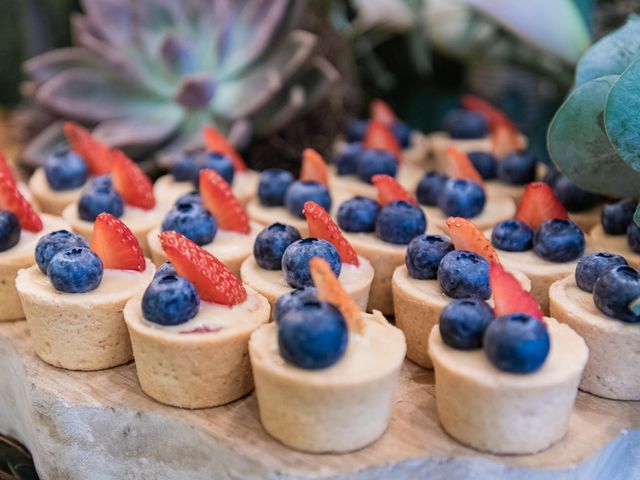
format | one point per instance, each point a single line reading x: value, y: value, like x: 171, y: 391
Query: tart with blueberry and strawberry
x: 74, y: 296
x: 326, y: 372
x: 190, y: 329
x: 617, y: 231
x: 507, y: 377
x: 280, y: 260
x: 215, y: 219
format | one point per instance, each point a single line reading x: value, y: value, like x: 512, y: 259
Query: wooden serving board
x: 100, y: 425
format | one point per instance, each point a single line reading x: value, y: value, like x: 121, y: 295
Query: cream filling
x: 133, y: 217
x: 496, y: 209
x: 28, y: 240
x: 244, y: 186
x: 38, y: 183
x: 269, y: 215
x: 613, y: 243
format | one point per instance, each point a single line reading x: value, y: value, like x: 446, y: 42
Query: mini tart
x: 81, y: 331
x: 50, y: 200
x: 18, y: 257
x: 506, y: 413
x: 418, y: 305
x: 440, y: 141
x: 337, y: 409
x: 231, y: 248
x: 272, y: 284
x: 612, y: 370
x: 617, y: 244
x: 497, y: 208
x: 265, y: 216
x: 201, y: 363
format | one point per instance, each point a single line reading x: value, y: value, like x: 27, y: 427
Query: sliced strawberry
x: 539, y: 204
x: 462, y: 167
x: 493, y: 115
x: 505, y: 140
x: 380, y: 111
x: 5, y: 168
x: 379, y: 137
x: 116, y: 246
x: 131, y: 182
x: 466, y: 236
x: 509, y: 296
x: 96, y: 154
x: 314, y: 168
x: 322, y: 226
x: 11, y: 199
x: 389, y: 190
x: 216, y: 142
x: 330, y: 290
x: 222, y: 203
x: 213, y: 280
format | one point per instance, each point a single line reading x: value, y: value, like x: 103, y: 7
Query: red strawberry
x: 539, y: 204
x: 216, y: 142
x: 462, y: 167
x: 505, y: 140
x: 5, y: 168
x: 509, y: 296
x: 212, y: 279
x: 380, y: 111
x: 322, y: 226
x: 96, y: 154
x: 390, y: 190
x: 222, y: 203
x: 314, y: 168
x: 131, y: 182
x: 380, y: 137
x: 466, y: 236
x: 116, y: 246
x: 493, y: 115
x: 11, y: 199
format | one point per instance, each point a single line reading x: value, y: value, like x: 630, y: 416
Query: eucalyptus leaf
x: 635, y: 306
x: 579, y: 146
x: 636, y: 216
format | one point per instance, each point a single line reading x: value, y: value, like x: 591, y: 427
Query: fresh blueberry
x: 517, y: 168
x: 402, y: 132
x: 273, y: 185
x: 464, y: 124
x: 574, y: 198
x: 463, y: 274
x: 374, y: 162
x: 347, y: 159
x: 215, y: 161
x: 100, y: 196
x: 485, y: 163
x: 191, y: 220
x: 184, y: 167
x: 76, y: 270
x: 294, y: 300
x: 296, y: 258
x: 615, y: 290
x: 512, y: 236
x: 314, y: 336
x: 356, y: 130
x: 170, y: 300
x: 424, y: 254
x: 55, y: 242
x: 399, y: 222
x: 517, y: 343
x: 463, y: 323
x: 616, y: 217
x: 9, y: 230
x: 306, y: 191
x: 271, y: 243
x: 358, y: 214
x: 461, y: 198
x: 633, y: 237
x: 590, y: 267
x: 188, y: 198
x: 65, y: 170
x: 558, y: 241
x: 430, y: 187
x: 552, y: 176
x: 165, y: 269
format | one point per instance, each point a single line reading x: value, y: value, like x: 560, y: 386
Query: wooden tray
x: 100, y: 425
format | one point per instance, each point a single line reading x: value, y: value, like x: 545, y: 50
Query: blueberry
x: 402, y: 132
x: 65, y: 170
x: 517, y: 343
x: 616, y: 217
x: 574, y: 198
x: 184, y: 167
x: 399, y: 222
x: 615, y: 290
x: 356, y: 130
x: 358, y: 214
x: 633, y: 237
x: 218, y: 162
x: 271, y: 243
x: 512, y: 236
x: 314, y: 336
x: 464, y: 124
x: 430, y: 187
x: 306, y: 191
x: 189, y: 198
x: 517, y: 168
x: 424, y: 254
x: 165, y: 269
x: 558, y: 241
x: 293, y: 300
x: 273, y: 185
x: 552, y: 176
x: 191, y: 220
x: 347, y: 159
x: 485, y: 163
x: 76, y: 270
x: 9, y: 230
x: 170, y: 300
x: 100, y: 196
x: 296, y: 258
x: 463, y: 274
x: 373, y: 162
x: 463, y: 323
x: 461, y: 198
x: 55, y: 242
x: 590, y: 267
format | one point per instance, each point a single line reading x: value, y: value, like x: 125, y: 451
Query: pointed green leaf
x: 636, y: 216
x: 635, y: 306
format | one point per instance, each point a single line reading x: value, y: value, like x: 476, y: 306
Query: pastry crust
x: 51, y: 201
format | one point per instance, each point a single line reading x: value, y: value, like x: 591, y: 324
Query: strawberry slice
x: 380, y: 111
x: 213, y: 280
x: 493, y: 115
x: 462, y: 167
x: 466, y: 236
x: 330, y: 290
x: 131, y: 182
x: 509, y: 296
x: 216, y: 142
x: 222, y: 203
x: 505, y: 140
x: 379, y: 137
x: 5, y: 168
x: 116, y: 246
x: 389, y: 190
x: 539, y: 204
x: 314, y: 168
x: 11, y: 199
x: 322, y: 226
x: 96, y: 154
